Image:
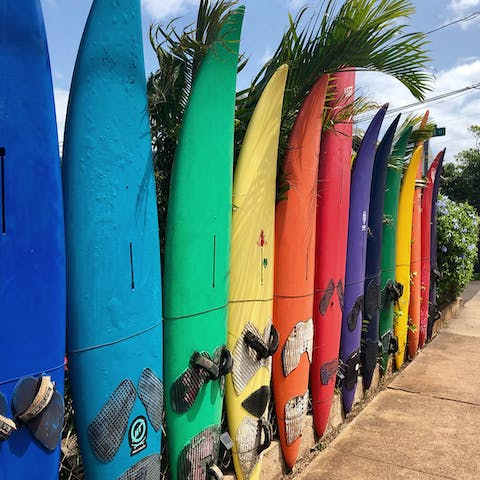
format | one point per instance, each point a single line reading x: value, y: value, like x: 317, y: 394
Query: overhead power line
x: 437, y: 98
x: 467, y: 18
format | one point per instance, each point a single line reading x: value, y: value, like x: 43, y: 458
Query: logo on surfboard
x: 137, y: 435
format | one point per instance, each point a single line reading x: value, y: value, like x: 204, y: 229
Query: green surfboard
x: 388, y: 285
x: 197, y: 259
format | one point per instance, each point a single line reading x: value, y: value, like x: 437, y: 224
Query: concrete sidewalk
x: 426, y: 424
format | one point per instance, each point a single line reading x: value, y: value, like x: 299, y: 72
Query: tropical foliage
x: 458, y: 228
x: 361, y: 34
x: 462, y: 178
x: 179, y: 56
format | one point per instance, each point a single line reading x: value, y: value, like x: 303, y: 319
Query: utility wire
x: 463, y: 19
x: 442, y: 96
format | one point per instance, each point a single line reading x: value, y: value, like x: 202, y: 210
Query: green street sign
x: 439, y: 131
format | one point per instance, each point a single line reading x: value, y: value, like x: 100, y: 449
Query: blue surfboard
x: 114, y: 331
x: 373, y: 265
x: 32, y: 250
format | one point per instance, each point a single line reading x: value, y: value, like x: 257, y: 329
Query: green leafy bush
x: 458, y: 226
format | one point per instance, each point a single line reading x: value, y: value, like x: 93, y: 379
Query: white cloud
x: 467, y: 9
x: 165, y: 8
x: 462, y: 7
x: 456, y: 113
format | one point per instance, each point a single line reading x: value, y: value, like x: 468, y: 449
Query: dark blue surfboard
x: 114, y: 334
x: 32, y: 251
x: 371, y: 296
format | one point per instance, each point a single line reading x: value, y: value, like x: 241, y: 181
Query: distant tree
x: 462, y: 178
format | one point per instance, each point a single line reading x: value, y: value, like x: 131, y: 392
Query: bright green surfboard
x: 390, y: 219
x: 197, y: 259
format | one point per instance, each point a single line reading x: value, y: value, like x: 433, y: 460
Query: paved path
x: 426, y: 424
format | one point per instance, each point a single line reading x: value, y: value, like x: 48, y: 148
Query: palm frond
x: 179, y: 54
x: 360, y: 34
x: 419, y: 133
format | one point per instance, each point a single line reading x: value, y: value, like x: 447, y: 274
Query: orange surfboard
x: 294, y: 273
x: 415, y: 263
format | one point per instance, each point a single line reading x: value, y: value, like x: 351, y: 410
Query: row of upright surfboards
x: 250, y: 286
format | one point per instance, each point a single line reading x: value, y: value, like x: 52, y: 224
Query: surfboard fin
x: 7, y: 425
x: 256, y: 403
x: 37, y: 404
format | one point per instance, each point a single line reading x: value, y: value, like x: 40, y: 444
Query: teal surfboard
x: 197, y: 258
x: 114, y: 332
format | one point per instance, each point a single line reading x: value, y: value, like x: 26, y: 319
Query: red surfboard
x: 333, y: 197
x: 426, y: 237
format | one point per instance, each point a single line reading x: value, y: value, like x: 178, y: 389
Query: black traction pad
x: 355, y: 313
x: 150, y: 392
x: 148, y: 468
x: 326, y: 297
x: 351, y: 370
x: 107, y: 430
x: 328, y: 371
x: 341, y: 294
x: 372, y: 300
x: 370, y: 354
x: 46, y: 427
x: 257, y: 402
x: 197, y: 456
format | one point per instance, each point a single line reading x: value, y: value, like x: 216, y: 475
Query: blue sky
x: 454, y: 51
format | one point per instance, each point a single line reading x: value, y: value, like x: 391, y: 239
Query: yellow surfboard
x: 404, y: 245
x: 251, y: 339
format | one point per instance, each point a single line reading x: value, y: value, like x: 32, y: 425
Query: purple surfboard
x: 356, y: 260
x: 433, y: 313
